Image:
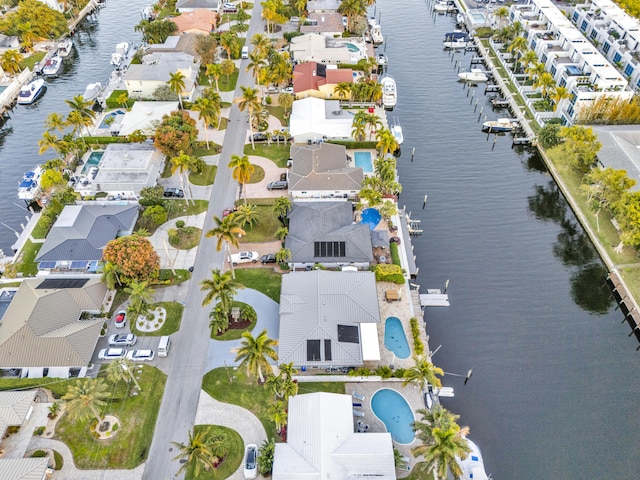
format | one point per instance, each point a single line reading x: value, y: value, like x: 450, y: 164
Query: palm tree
x: 221, y: 287
x: 343, y: 90
x: 289, y: 388
x: 281, y: 208
x: 529, y: 58
x: 227, y: 67
x: 196, y: 450
x: 278, y: 414
x: 517, y: 46
x: 183, y: 164
x: 351, y: 9
x: 10, y: 61
x: 50, y: 141
x: 219, y: 319
x: 281, y: 233
x: 261, y: 44
x: 358, y: 129
x: 274, y: 383
x: 110, y: 275
x: 283, y: 255
x: 227, y: 231
x: 387, y: 142
x: 206, y: 113
x: 256, y: 64
x: 422, y: 373
x: 79, y: 104
x: 214, y: 70
x: 442, y: 455
x: 78, y: 122
x: 373, y: 122
x: 255, y: 352
x: 54, y: 121
x: 140, y: 296
x: 230, y: 43
x: 177, y: 84
x: 535, y: 70
x: 247, y: 214
x: 250, y: 101
x: 85, y: 397
x: 545, y: 82
x: 285, y: 100
x: 559, y: 94
x: 242, y: 170
x: 287, y: 370
x: 120, y: 371
x: 501, y: 14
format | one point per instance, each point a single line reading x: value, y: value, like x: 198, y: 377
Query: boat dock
x: 407, y: 224
x: 627, y: 303
x: 10, y: 94
x: 91, y: 7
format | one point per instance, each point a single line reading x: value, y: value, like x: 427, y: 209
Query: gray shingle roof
x: 311, y: 222
x: 313, y: 304
x: 323, y: 167
x: 23, y: 468
x: 42, y: 327
x: 192, y: 4
x: 82, y: 231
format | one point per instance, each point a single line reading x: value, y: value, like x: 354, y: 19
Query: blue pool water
x: 363, y: 160
x: 478, y: 17
x: 92, y: 161
x: 393, y: 410
x: 371, y: 217
x: 115, y: 114
x: 395, y: 339
x: 352, y: 47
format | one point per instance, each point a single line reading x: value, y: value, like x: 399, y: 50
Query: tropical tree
x: 535, y: 70
x: 274, y: 383
x: 227, y: 67
x: 441, y: 456
x: 250, y: 101
x: 265, y: 460
x: 183, y: 164
x: 221, y: 287
x: 358, y: 127
x: 120, y: 371
x: 134, y: 258
x: 247, y: 215
x: 219, y: 319
x: 230, y: 43
x: 281, y: 208
x: 343, y: 90
x: 351, y: 9
x: 256, y: 64
x: 501, y: 14
x: 283, y: 255
x: 206, y: 113
x: 78, y: 122
x: 10, y: 61
x: 423, y: 372
x: 281, y: 233
x: 254, y: 353
x: 177, y: 84
x: 214, y: 70
x: 285, y: 100
x: 517, y: 46
x: 373, y: 123
x: 261, y: 44
x: 85, y: 397
x: 545, y: 82
x: 387, y: 142
x: 242, y: 169
x: 50, y: 141
x: 559, y: 94
x: 197, y: 451
x: 529, y: 58
x: 54, y: 121
x: 140, y: 297
x: 227, y: 232
x: 82, y: 106
x: 278, y: 414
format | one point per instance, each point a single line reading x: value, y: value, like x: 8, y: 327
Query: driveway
x: 223, y: 353
x: 271, y: 174
x: 171, y: 257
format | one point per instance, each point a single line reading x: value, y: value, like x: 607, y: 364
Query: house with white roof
x: 315, y: 120
x: 144, y: 116
x: 323, y: 6
x: 156, y: 68
x: 322, y: 445
x: 321, y: 48
x: 329, y: 318
x: 191, y: 5
x: 572, y: 60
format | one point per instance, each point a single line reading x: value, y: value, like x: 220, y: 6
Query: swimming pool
x: 395, y: 339
x: 371, y: 217
x: 363, y: 160
x: 106, y: 123
x: 352, y: 47
x: 478, y: 17
x: 92, y: 161
x: 394, y: 411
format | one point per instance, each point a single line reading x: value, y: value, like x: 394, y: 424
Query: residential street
x: 191, y: 345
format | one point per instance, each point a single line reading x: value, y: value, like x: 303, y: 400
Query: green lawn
x: 264, y: 280
x: 265, y: 228
x: 231, y: 461
x: 279, y: 154
x: 40, y: 231
x: 234, y: 334
x: 137, y: 415
x: 204, y: 178
x: 278, y: 112
x: 185, y: 238
x: 171, y: 324
x: 189, y: 209
x: 248, y: 394
x: 201, y: 149
x: 32, y: 60
x: 228, y: 85
x: 257, y: 175
x: 27, y: 266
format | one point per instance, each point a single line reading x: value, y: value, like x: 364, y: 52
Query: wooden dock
x: 10, y: 94
x: 91, y: 7
x: 628, y: 305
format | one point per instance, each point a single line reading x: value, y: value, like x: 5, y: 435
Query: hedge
x: 388, y: 273
x: 395, y: 255
x: 418, y: 346
x: 353, y: 145
x: 112, y: 101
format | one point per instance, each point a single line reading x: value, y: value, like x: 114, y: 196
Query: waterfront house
x: 200, y: 21
x: 316, y: 47
x: 329, y: 319
x: 323, y: 6
x: 321, y: 443
x: 8, y: 43
x: 143, y: 116
x: 183, y: 6
x: 325, y: 23
x: 325, y: 233
x: 314, y: 120
x: 620, y: 149
x: 143, y: 79
x: 124, y: 170
x: 79, y: 235
x: 51, y: 327
x: 311, y: 79
x: 323, y: 171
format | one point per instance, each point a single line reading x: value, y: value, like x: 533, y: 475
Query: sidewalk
x: 171, y: 257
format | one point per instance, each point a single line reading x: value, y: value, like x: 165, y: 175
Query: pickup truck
x: 244, y: 257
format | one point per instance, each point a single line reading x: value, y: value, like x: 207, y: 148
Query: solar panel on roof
x: 59, y: 283
x: 79, y: 264
x: 348, y: 334
x: 46, y: 265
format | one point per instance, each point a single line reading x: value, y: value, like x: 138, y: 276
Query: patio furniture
x: 358, y: 396
x: 356, y: 404
x: 358, y: 413
x: 391, y: 295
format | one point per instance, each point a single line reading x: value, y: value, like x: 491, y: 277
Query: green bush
x: 39, y: 454
x: 395, y: 255
x: 484, y: 32
x: 388, y: 273
x: 418, y: 346
x: 384, y: 371
x: 180, y: 224
x: 289, y: 35
x: 57, y: 457
x: 112, y: 101
x: 38, y: 431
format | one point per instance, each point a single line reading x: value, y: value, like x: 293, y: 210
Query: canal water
x: 95, y: 40
x: 555, y: 383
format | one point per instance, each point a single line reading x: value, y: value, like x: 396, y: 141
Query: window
x: 638, y: 84
x: 575, y: 16
x: 583, y: 26
x: 570, y: 110
x: 544, y: 59
x: 628, y: 70
x: 617, y: 57
x: 553, y: 70
x: 606, y: 47
x: 327, y: 350
x: 533, y: 44
x: 329, y: 249
x: 313, y: 351
x: 594, y: 33
x: 563, y: 82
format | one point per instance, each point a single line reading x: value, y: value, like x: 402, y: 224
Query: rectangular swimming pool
x: 363, y: 160
x: 92, y: 161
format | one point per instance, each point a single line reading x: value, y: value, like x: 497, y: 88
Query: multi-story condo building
x: 573, y: 61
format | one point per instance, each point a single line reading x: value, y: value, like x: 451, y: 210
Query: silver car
x: 141, y: 355
x: 122, y: 340
x: 111, y: 353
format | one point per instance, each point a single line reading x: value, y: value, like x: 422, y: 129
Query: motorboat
x: 92, y: 91
x: 29, y: 186
x: 381, y: 58
x: 389, y: 92
x: 475, y: 75
x: 31, y: 91
x: 460, y: 19
x: 64, y: 48
x: 396, y: 130
x: 118, y: 57
x: 456, y: 35
x: 52, y: 66
x: 443, y: 6
x: 147, y: 13
x: 472, y: 466
x: 499, y: 125
x: 460, y: 43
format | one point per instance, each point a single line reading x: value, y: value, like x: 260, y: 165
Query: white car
x: 288, y: 90
x: 122, y: 340
x: 251, y: 461
x: 111, y: 353
x: 244, y: 257
x: 141, y: 355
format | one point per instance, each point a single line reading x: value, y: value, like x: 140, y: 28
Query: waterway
x: 94, y: 41
x: 555, y: 379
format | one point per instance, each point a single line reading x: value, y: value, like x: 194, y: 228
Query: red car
x: 121, y: 319
x: 227, y: 211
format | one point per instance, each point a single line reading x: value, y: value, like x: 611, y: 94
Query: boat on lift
x: 31, y: 91
x: 118, y: 57
x: 52, y: 66
x: 29, y: 186
x: 64, y: 48
x: 475, y: 75
x: 500, y: 125
x: 92, y: 91
x: 389, y: 92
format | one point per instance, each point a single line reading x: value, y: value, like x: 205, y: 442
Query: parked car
x: 268, y: 258
x: 260, y: 137
x: 122, y: 340
x: 279, y: 185
x: 141, y: 355
x: 272, y: 90
x: 121, y: 319
x: 173, y: 193
x: 244, y: 257
x: 251, y: 461
x: 227, y: 211
x: 229, y: 8
x: 288, y: 90
x: 281, y: 138
x: 111, y: 353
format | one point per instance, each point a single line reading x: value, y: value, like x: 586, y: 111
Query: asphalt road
x: 191, y: 343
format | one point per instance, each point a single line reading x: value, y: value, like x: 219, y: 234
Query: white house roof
x: 23, y: 468
x: 14, y: 408
x: 323, y: 118
x: 144, y: 116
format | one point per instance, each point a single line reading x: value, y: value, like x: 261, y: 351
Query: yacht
x: 381, y: 58
x: 500, y: 125
x: 475, y: 75
x: 458, y: 43
x: 92, y: 91
x: 472, y: 466
x: 31, y: 91
x: 52, y: 67
x: 376, y: 35
x: 460, y: 19
x: 64, y: 48
x: 444, y: 6
x: 29, y: 186
x: 389, y: 92
x: 396, y: 130
x: 118, y: 57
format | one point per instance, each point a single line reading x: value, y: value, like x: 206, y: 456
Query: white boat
x: 147, y: 13
x: 92, y: 91
x: 397, y: 133
x: 376, y: 35
x: 65, y: 47
x: 117, y: 57
x: 460, y: 19
x: 444, y: 6
x: 389, y: 92
x: 31, y: 91
x: 52, y: 66
x: 458, y: 44
x: 500, y: 125
x: 475, y: 75
x: 381, y: 58
x: 29, y: 186
x: 472, y: 466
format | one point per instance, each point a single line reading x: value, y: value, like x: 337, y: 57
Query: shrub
x: 180, y: 223
x: 388, y: 273
x: 384, y: 371
x: 57, y: 457
x: 115, y: 427
x: 112, y: 101
x: 39, y: 454
x: 268, y: 100
x: 395, y: 255
x: 418, y: 346
x: 360, y: 372
x: 289, y: 35
x: 38, y: 431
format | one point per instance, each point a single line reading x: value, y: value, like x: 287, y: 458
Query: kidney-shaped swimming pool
x: 396, y: 414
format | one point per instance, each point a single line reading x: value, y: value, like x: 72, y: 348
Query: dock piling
x: 424, y: 202
x: 413, y: 151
